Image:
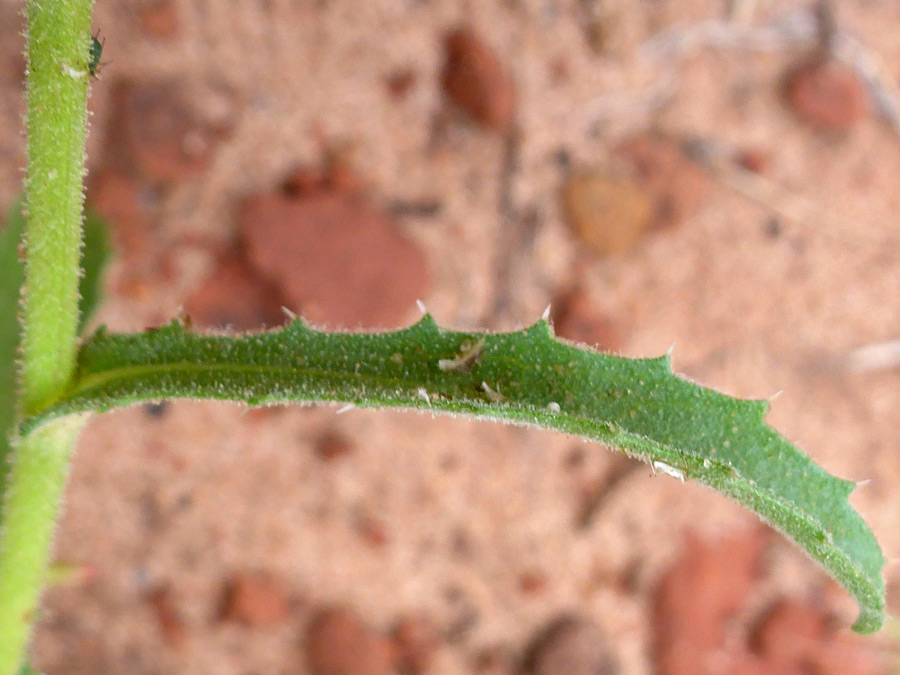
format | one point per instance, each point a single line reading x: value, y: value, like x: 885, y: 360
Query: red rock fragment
x: 168, y: 619
x: 337, y: 258
x: 571, y: 646
x: 400, y: 83
x: 676, y: 185
x: 235, y: 296
x: 255, y: 599
x: 826, y: 94
x: 797, y: 636
x: 159, y: 19
x: 697, y: 597
x: 332, y: 445
x: 159, y: 131
x: 753, y: 160
x: 371, y: 530
x: 493, y: 662
x: 576, y: 317
x: 415, y: 645
x: 339, y: 643
x: 532, y: 582
x: 474, y: 79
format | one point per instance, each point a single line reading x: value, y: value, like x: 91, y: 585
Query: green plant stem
x: 37, y: 481
x: 58, y: 39
x: 58, y: 79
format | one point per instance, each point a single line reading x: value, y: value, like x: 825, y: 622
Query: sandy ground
x: 185, y: 500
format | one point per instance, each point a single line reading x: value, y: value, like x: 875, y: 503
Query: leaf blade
x: 525, y: 377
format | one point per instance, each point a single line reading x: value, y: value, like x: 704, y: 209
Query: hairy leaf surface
x: 524, y: 377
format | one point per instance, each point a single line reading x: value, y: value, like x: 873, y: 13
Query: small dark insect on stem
x: 95, y: 51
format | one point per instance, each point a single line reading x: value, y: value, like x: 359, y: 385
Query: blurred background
x: 717, y: 175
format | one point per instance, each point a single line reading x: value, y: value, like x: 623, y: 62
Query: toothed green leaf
x: 525, y: 377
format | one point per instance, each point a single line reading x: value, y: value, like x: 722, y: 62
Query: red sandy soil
x: 343, y: 159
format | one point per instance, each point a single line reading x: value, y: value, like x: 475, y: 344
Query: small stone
x: 571, y: 646
x: 609, y: 214
x: 532, y: 582
x: 400, y: 83
x: 159, y: 19
x: 338, y: 259
x: 158, y: 132
x: 371, y: 530
x: 235, y: 296
x: 415, y: 645
x: 157, y: 410
x: 576, y: 317
x: 753, y: 160
x: 493, y: 662
x: 338, y: 643
x: 677, y: 186
x: 826, y: 94
x: 807, y: 640
x: 331, y: 445
x: 474, y: 79
x: 697, y: 597
x: 255, y: 599
x: 168, y: 619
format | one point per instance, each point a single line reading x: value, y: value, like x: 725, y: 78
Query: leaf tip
x: 870, y: 620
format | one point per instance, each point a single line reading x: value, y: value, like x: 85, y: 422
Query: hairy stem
x: 36, y: 482
x: 58, y: 40
x: 58, y: 79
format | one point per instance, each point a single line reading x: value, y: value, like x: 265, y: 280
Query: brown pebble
x: 532, y: 582
x: 609, y: 214
x: 753, y: 160
x: 168, y: 618
x: 159, y: 19
x: 493, y: 662
x: 807, y: 640
x: 571, y: 646
x: 331, y: 445
x: 255, y: 599
x: 400, y: 83
x: 337, y: 258
x: 474, y: 79
x: 156, y: 131
x: 371, y: 530
x: 235, y: 296
x: 826, y: 94
x: 677, y: 186
x: 699, y: 594
x: 576, y: 317
x: 415, y: 645
x: 303, y: 180
x: 339, y: 643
